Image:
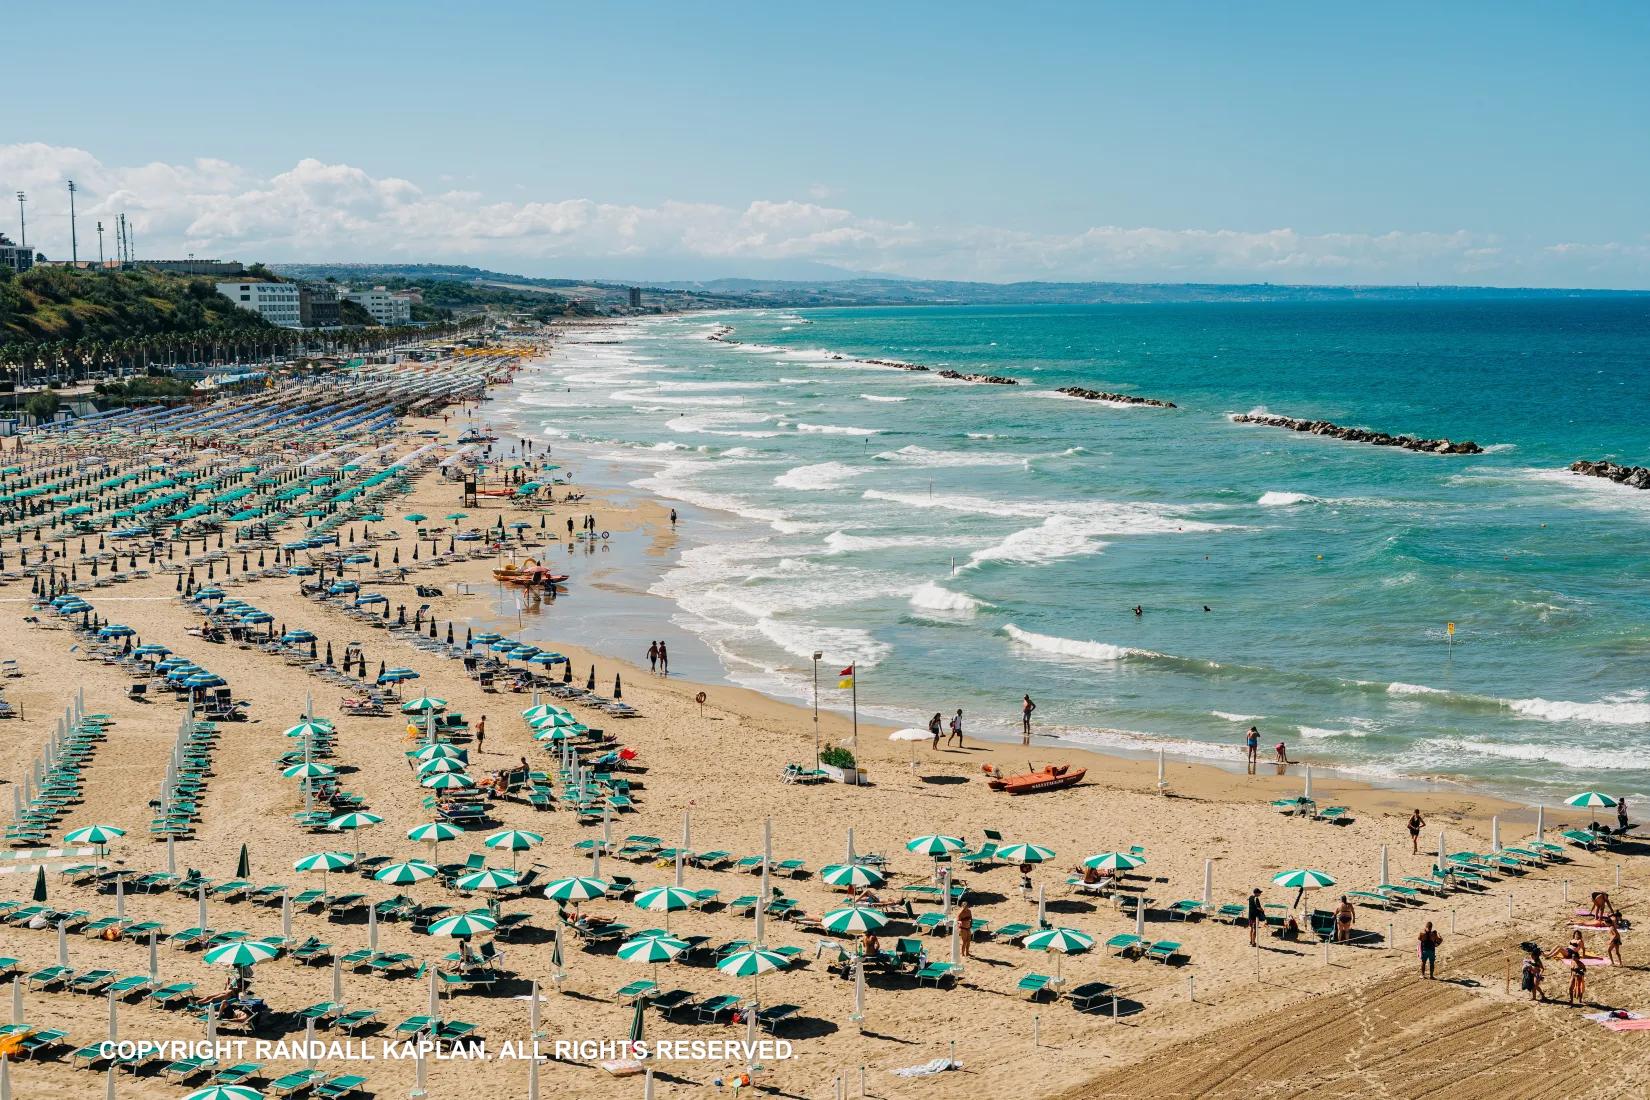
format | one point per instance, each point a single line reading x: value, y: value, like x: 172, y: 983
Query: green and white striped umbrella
x: 1064, y: 940
x: 751, y: 962
x: 665, y: 899
x: 652, y: 949
x: 241, y: 953
x: 575, y: 889
x: 561, y: 733
x: 310, y: 769
x: 440, y: 764
x: 488, y: 878
x: 225, y: 1092
x: 356, y: 820
x: 324, y: 861
x: 309, y: 729
x: 446, y: 781
x: 434, y: 830
x: 1115, y: 861
x: 933, y: 845
x: 1592, y: 800
x: 423, y: 704
x: 94, y: 834
x: 465, y: 924
x: 1025, y: 853
x: 442, y: 751
x: 852, y: 874
x: 513, y: 840
x: 542, y: 710
x: 854, y: 918
x: 405, y: 874
x: 1303, y: 878
x: 559, y: 718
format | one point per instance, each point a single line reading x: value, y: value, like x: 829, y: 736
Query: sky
x: 1484, y: 143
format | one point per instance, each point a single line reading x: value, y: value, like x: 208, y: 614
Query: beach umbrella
x: 243, y: 865
x: 225, y: 1092
x: 465, y: 924
x: 310, y: 769
x: 488, y: 878
x: 355, y: 820
x: 652, y: 950
x: 1303, y: 879
x: 240, y: 953
x: 854, y: 919
x: 1115, y: 861
x: 1591, y: 800
x: 752, y: 963
x: 1025, y: 853
x: 1058, y: 942
x: 912, y: 736
x: 324, y: 862
x: 666, y: 900
x: 422, y: 704
x: 513, y: 841
x: 447, y: 781
x: 442, y: 751
x: 852, y: 874
x: 40, y: 884
x: 541, y: 710
x: 311, y: 728
x: 576, y: 888
x: 440, y: 764
x: 935, y: 846
x: 405, y: 874
x: 590, y: 684
x: 100, y: 835
x: 434, y: 832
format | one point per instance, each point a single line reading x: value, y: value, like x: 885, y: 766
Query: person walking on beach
x: 569, y: 526
x: 1612, y: 950
x: 934, y: 726
x: 1026, y: 707
x: 1251, y: 743
x: 1428, y: 940
x: 481, y: 734
x: 965, y: 929
x: 664, y: 660
x: 1416, y: 824
x: 653, y: 657
x: 956, y: 730
x: 673, y: 518
x: 1257, y: 916
x: 1578, y: 979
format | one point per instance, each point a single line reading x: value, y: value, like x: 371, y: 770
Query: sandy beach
x: 1219, y: 1018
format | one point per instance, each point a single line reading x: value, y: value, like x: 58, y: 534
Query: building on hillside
x: 223, y: 268
x: 276, y: 303
x: 385, y: 307
x: 318, y: 305
x: 635, y: 297
x: 15, y: 256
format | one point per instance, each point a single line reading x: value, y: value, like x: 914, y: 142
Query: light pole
x: 817, y: 656
x: 74, y: 244
x: 22, y: 222
x: 100, y: 244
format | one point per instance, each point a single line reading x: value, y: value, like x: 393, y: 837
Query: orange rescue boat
x: 1050, y: 777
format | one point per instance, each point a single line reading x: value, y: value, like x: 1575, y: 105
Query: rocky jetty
x: 1119, y: 398
x: 1634, y: 477
x: 1362, y: 435
x: 988, y: 379
x: 895, y: 363
x: 721, y: 333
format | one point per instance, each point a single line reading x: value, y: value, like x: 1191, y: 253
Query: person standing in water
x: 664, y: 660
x: 1026, y: 707
x: 1251, y: 744
x: 653, y: 657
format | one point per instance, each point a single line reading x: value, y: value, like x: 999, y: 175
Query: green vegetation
x: 62, y: 303
x: 41, y: 406
x: 145, y: 388
x: 837, y: 757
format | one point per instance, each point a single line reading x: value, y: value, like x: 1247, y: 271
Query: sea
x: 1475, y: 619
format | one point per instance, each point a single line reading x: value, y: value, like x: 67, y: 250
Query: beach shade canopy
x: 438, y: 764
x: 1115, y: 861
x: 1025, y: 853
x: 561, y: 733
x: 486, y: 637
x: 292, y: 637
x: 752, y: 962
x: 442, y: 751
x: 488, y: 878
x: 1591, y: 800
x: 309, y: 769
x: 356, y: 820
x: 934, y: 845
x: 852, y: 874
x: 310, y: 729
x: 434, y: 830
x: 94, y: 834
x: 225, y: 1092
x: 422, y: 704
x: 854, y: 918
x: 652, y: 949
x: 577, y: 888
x: 241, y: 953
x: 666, y: 899
x: 1303, y: 878
x: 405, y: 874
x: 415, y: 517
x: 1066, y: 941
x: 324, y: 861
x: 465, y: 924
x: 541, y: 710
x: 553, y: 720
x: 447, y: 781
x: 513, y: 840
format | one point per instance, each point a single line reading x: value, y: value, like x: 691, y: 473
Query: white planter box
x: 854, y: 777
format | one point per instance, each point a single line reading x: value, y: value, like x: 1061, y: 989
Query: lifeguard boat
x: 1050, y: 777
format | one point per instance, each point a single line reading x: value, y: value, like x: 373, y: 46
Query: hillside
x: 49, y: 304
x: 458, y: 286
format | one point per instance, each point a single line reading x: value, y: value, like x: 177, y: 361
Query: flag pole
x: 854, y: 688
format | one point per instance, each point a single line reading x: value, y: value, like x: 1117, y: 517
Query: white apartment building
x: 274, y: 302
x: 386, y: 307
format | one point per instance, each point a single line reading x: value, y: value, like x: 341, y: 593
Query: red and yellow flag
x: 847, y: 680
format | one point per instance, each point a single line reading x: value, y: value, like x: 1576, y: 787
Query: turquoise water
x: 966, y: 543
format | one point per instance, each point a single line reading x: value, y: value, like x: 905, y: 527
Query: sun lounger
x: 351, y: 1022
x: 940, y: 973
x: 176, y: 993
x: 1126, y: 944
x: 343, y: 1085
x: 771, y: 1019
x: 1185, y: 910
x: 36, y: 1043
x: 135, y: 983
x: 49, y: 976
x: 295, y: 1082
x: 1163, y: 950
x: 1034, y: 985
x: 1013, y: 933
x: 1090, y: 995
x: 237, y: 1073
x: 185, y: 1068
x: 669, y: 1002
x: 629, y: 993
x: 714, y: 1008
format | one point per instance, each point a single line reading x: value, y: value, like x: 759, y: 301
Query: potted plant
x: 839, y: 764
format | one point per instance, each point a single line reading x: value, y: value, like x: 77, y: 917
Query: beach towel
x: 928, y: 1069
x: 1619, y: 1020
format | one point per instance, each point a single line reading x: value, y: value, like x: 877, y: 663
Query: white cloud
x: 319, y: 211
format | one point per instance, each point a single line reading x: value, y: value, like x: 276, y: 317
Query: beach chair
x: 1035, y: 985
x: 1230, y: 913
x: 771, y: 1019
x: 1090, y: 995
x: 1335, y: 815
x: 1126, y: 944
x: 454, y: 1031
x: 185, y: 1068
x: 296, y: 1082
x: 91, y: 981
x: 351, y: 1022
x: 135, y: 983
x: 89, y: 1057
x: 1012, y: 933
x: 168, y: 996
x: 343, y: 1085
x: 237, y: 1074
x: 1163, y: 951
x: 629, y: 994
x: 37, y: 1043
x: 49, y: 976
x: 940, y: 973
x: 667, y: 1003
x: 322, y: 1013
x: 1370, y: 898
x: 712, y: 1009
x: 1586, y: 838
x: 1185, y: 910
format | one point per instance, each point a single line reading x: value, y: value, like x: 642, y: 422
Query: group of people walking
x: 658, y: 659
